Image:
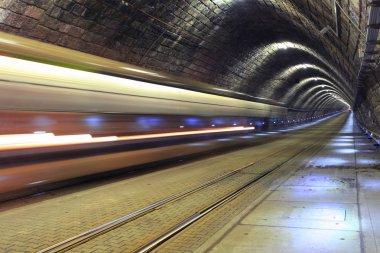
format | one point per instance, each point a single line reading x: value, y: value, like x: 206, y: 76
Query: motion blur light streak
x: 24, y: 138
x: 38, y: 182
x: 18, y: 141
x: 47, y: 77
x: 142, y: 71
x: 184, y: 133
x: 34, y: 70
x: 21, y: 141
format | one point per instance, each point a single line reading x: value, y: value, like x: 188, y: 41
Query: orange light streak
x: 173, y: 134
x: 40, y: 140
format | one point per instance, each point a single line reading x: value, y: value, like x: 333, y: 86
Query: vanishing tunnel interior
x: 93, y: 89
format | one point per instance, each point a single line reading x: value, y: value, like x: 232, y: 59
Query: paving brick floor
x: 31, y: 224
x: 330, y: 205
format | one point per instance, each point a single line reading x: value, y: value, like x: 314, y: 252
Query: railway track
x: 88, y: 235
x: 221, y: 190
x: 267, y: 175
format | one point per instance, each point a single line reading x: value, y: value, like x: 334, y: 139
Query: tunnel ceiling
x: 283, y: 50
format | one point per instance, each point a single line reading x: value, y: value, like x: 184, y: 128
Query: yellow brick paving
x: 338, y: 187
x: 127, y: 237
x: 124, y: 239
x: 35, y: 223
x: 191, y: 239
x: 52, y: 220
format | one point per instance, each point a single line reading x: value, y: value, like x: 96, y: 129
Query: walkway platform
x: 331, y: 205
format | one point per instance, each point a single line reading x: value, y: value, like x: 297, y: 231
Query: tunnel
x: 189, y: 126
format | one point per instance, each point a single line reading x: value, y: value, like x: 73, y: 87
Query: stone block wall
x: 121, y: 30
x: 367, y: 107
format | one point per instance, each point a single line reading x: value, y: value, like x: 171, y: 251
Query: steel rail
x: 79, y: 239
x: 197, y: 216
x: 90, y: 234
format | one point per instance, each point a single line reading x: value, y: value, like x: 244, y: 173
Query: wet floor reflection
x: 349, y: 148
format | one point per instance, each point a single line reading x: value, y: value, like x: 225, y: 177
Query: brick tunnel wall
x: 367, y: 106
x: 124, y: 30
x: 110, y: 29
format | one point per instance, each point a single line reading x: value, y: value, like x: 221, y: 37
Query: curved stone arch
x: 278, y: 79
x: 315, y: 101
x: 291, y: 14
x: 306, y: 94
x: 320, y: 86
x: 310, y: 99
x: 266, y: 53
x: 317, y: 97
x: 295, y: 14
x: 296, y: 89
x: 323, y: 85
x: 305, y: 19
x: 330, y: 101
x: 324, y: 41
x: 326, y: 101
x: 319, y: 101
x: 308, y: 50
x: 322, y: 102
x: 344, y: 104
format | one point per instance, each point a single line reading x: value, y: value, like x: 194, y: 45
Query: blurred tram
x: 66, y: 114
